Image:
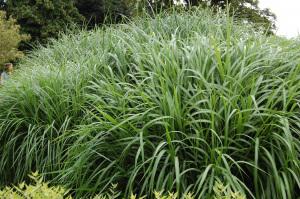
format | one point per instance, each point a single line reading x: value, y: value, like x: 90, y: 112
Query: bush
x: 40, y: 189
x: 10, y: 39
x: 173, y: 103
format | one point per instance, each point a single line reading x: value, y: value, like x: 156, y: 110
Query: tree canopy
x: 43, y: 18
x: 243, y: 9
x: 2, y: 4
x: 97, y: 11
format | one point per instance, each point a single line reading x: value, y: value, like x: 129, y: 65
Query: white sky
x: 288, y: 15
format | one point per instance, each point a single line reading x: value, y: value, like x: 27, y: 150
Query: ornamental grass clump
x: 174, y: 103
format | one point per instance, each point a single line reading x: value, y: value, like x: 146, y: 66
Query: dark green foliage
x: 2, y: 5
x: 97, y: 11
x: 93, y: 10
x: 43, y: 19
x: 46, y: 19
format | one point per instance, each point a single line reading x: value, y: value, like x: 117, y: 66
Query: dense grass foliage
x: 172, y: 103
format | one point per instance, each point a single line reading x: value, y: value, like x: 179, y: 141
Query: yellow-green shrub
x: 37, y: 190
x: 40, y: 189
x: 10, y: 39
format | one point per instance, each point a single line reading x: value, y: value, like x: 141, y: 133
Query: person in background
x: 8, y: 70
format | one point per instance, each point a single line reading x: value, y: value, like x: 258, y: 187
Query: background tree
x: 247, y: 10
x: 2, y: 5
x: 243, y: 9
x: 46, y: 18
x: 10, y: 39
x: 99, y: 11
x: 43, y: 18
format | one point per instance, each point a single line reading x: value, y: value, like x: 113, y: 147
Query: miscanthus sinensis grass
x: 175, y: 103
